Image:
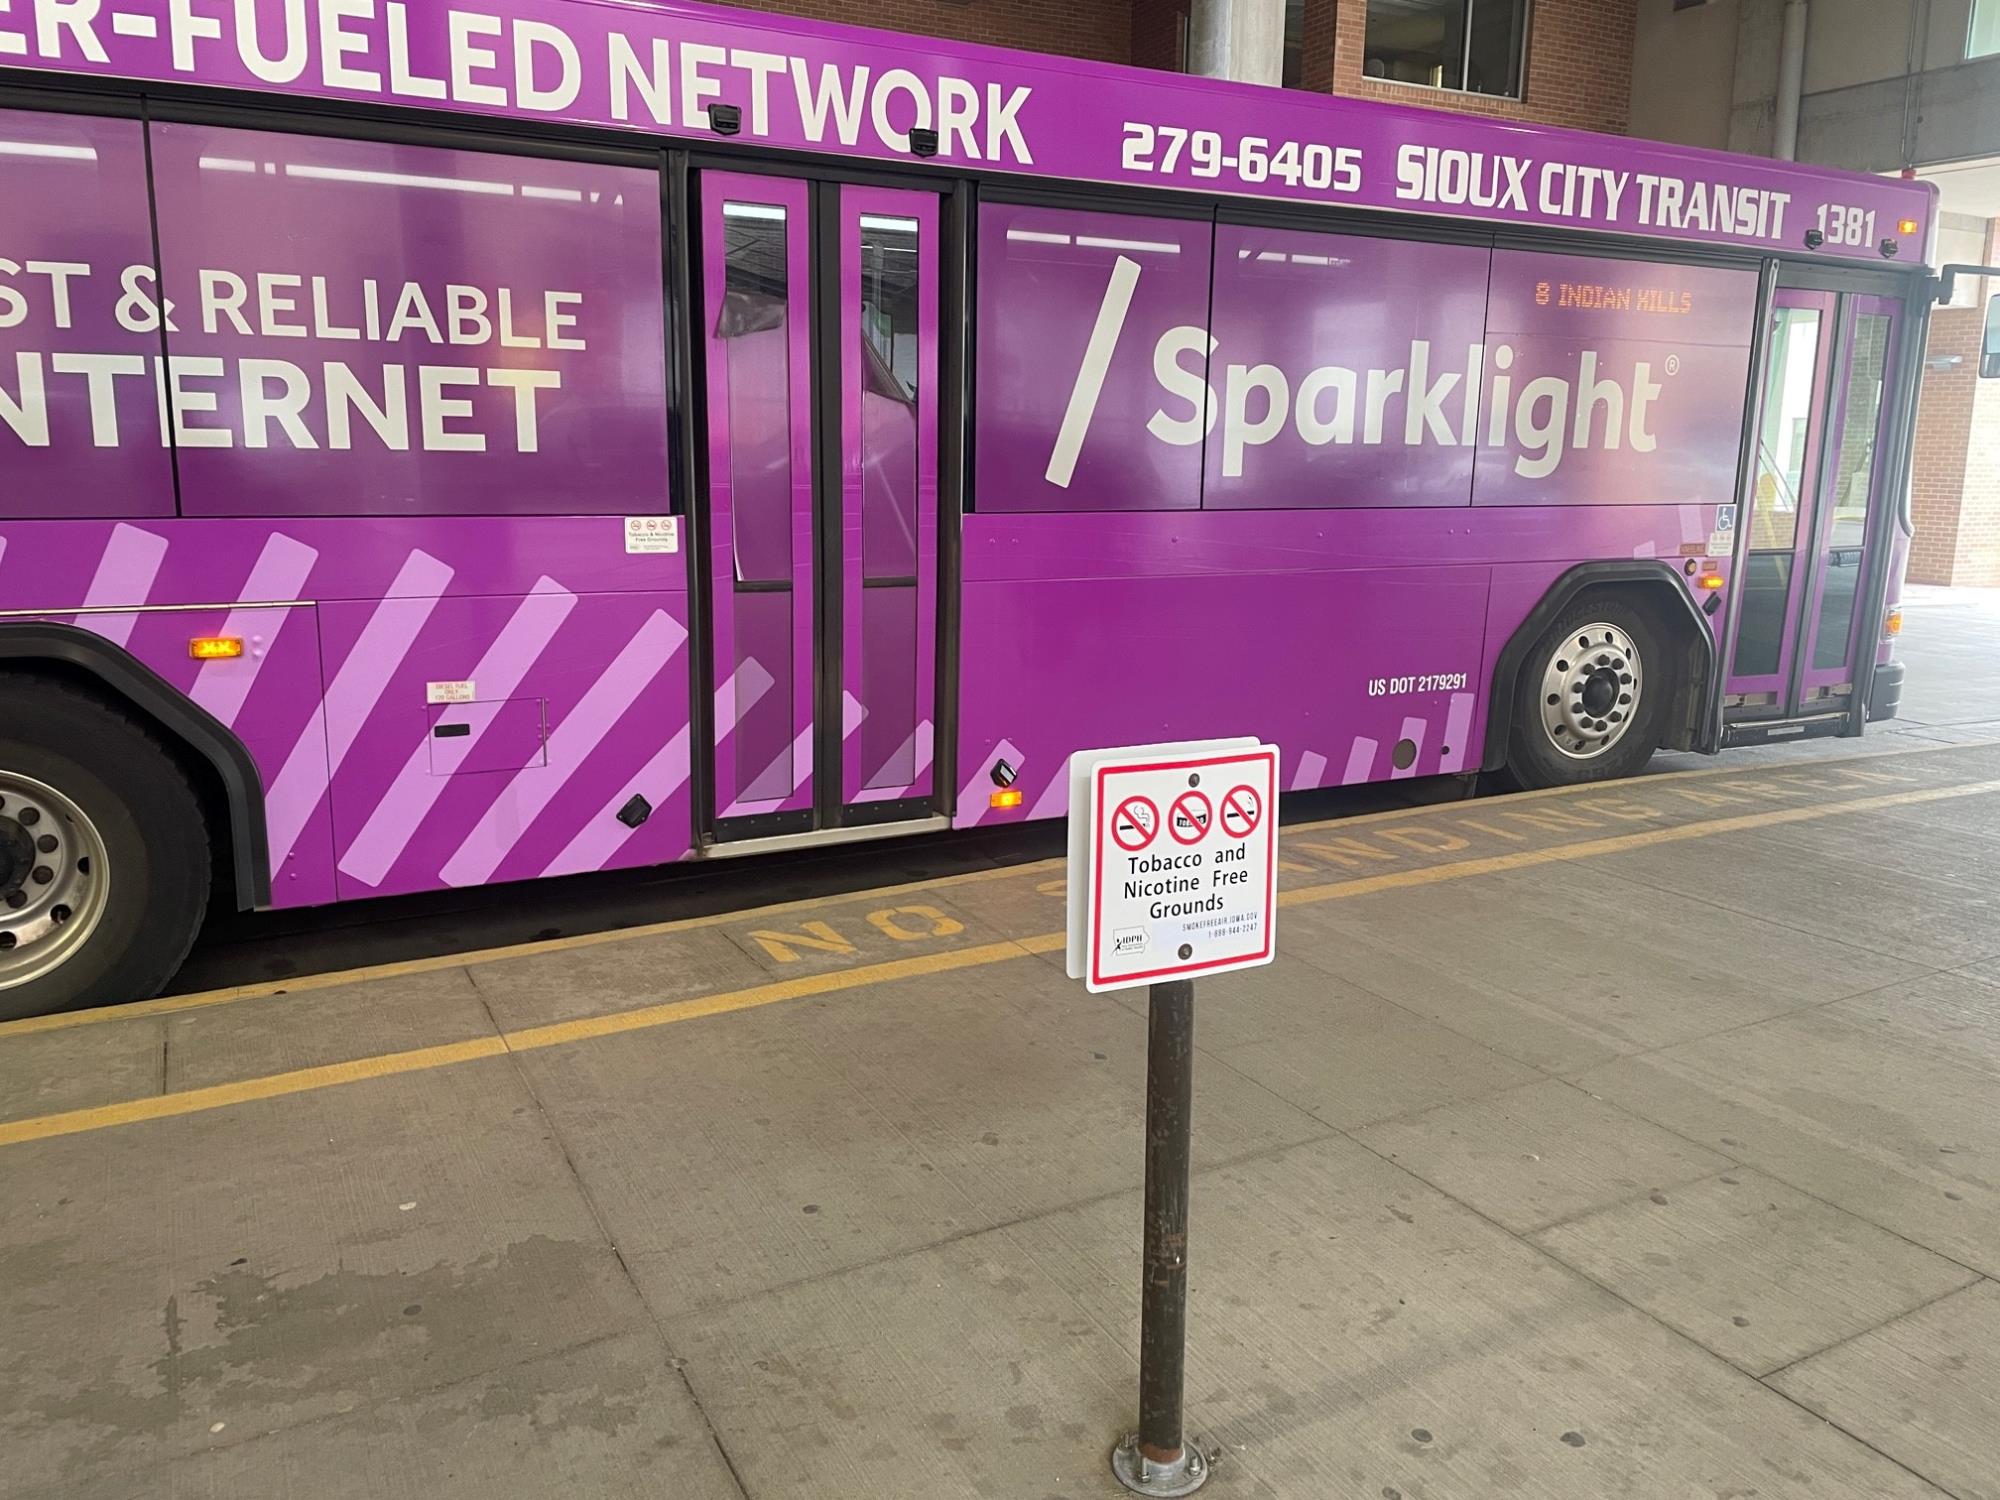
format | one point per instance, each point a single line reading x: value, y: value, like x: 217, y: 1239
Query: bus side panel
x: 332, y: 697
x: 1338, y: 635
x: 1356, y: 676
x: 268, y: 698
x: 504, y: 736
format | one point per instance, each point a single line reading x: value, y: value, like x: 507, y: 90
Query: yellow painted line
x: 1524, y: 859
x: 589, y: 1028
x: 435, y: 963
x: 530, y: 1039
x: 248, y: 1090
x: 405, y: 968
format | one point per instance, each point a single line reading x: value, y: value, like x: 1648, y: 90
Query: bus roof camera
x: 725, y: 119
x: 923, y: 141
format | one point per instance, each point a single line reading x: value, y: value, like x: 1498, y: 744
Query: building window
x: 1295, y: 32
x: 1985, y: 38
x: 1474, y: 46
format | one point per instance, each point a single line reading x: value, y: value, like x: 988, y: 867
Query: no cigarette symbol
x: 1135, y: 824
x: 1242, y: 811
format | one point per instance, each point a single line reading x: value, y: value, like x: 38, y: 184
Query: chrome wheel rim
x: 54, y: 879
x: 1591, y: 688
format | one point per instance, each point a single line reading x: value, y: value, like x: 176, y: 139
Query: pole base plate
x: 1143, y: 1476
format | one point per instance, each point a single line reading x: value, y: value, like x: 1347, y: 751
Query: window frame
x: 1978, y: 12
x: 1518, y: 94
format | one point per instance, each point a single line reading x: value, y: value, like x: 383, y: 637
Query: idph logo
x: 1429, y: 398
x: 1128, y: 940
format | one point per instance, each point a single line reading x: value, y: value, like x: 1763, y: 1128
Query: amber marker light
x: 1892, y: 623
x: 1007, y: 796
x: 1906, y: 226
x: 215, y: 647
x: 1710, y: 581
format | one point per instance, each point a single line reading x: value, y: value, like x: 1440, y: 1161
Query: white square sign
x: 652, y: 534
x: 1173, y: 866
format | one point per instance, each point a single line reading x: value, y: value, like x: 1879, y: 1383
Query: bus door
x: 818, y: 334
x: 1812, y: 513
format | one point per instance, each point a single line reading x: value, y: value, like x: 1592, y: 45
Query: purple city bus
x: 450, y: 445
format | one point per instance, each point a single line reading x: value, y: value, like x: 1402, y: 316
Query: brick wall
x: 1579, y: 70
x: 1955, y: 460
x: 1955, y: 473
x: 1101, y: 30
x: 1156, y: 34
x: 1944, y: 431
x: 1317, y: 39
x: 1979, y: 510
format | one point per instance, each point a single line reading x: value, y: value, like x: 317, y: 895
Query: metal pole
x: 1158, y: 1459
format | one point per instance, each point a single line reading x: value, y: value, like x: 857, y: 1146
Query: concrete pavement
x: 1636, y: 1141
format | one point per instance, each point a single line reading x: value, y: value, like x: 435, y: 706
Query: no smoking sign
x: 1173, y: 861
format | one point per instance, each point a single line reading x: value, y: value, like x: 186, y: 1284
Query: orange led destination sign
x: 1598, y: 297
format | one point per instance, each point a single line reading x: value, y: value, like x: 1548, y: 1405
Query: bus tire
x: 1591, y: 699
x: 104, y: 855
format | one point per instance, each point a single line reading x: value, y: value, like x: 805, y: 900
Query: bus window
x: 1092, y: 335
x: 1853, y: 481
x: 1787, y: 423
x: 79, y: 425
x: 373, y: 329
x: 1341, y: 370
x: 1612, y: 382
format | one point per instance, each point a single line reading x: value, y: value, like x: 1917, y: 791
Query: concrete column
x: 1239, y: 39
x: 1760, y: 27
x: 1791, y: 80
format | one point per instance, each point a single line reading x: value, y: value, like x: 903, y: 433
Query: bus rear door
x: 818, y: 307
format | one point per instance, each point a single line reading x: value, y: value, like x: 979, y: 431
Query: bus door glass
x: 1779, y: 505
x: 819, y: 332
x: 1853, y: 478
x: 1816, y: 474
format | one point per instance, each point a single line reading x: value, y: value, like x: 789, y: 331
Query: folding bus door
x: 819, y: 338
x: 1821, y: 445
x: 1830, y: 648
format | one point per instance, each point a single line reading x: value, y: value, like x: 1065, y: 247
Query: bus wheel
x: 104, y: 857
x: 1588, y: 703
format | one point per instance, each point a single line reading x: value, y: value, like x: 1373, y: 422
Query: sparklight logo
x: 1446, y: 400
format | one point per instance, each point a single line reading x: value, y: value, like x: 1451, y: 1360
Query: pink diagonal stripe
x: 1360, y: 761
x: 1457, y: 728
x: 1055, y: 797
x: 413, y: 793
x: 597, y: 843
x: 279, y: 574
x: 800, y: 754
x: 582, y: 730
x: 351, y: 697
x: 1311, y: 766
x: 919, y: 745
x: 733, y: 701
x: 124, y: 580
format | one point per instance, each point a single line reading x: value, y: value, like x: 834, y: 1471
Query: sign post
x: 1156, y: 899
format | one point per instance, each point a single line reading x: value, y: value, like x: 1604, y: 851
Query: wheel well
x: 1649, y: 586
x: 215, y: 762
